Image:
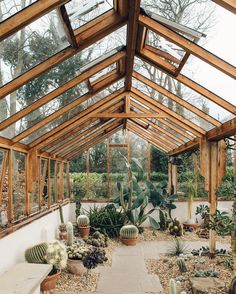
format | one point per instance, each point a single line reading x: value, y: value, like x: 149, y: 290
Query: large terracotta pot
x: 129, y: 242
x: 49, y: 283
x: 75, y: 267
x: 84, y: 231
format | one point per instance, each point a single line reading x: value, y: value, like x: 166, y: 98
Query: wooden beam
x: 149, y: 161
x: 108, y: 80
x: 60, y: 112
x: 189, y: 146
x: 59, y: 91
x: 134, y: 9
x: 191, y: 84
x: 188, y: 45
x: 227, y: 4
x: 173, y: 116
x: 85, y: 36
x: 177, y: 99
x: 221, y: 161
x: 122, y: 7
x: 127, y: 115
x: 163, y: 54
x: 227, y: 129
x: 76, y: 120
x: 27, y: 15
x: 141, y: 37
x: 205, y: 162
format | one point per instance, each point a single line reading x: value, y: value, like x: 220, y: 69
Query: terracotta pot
x: 84, y: 231
x: 49, y: 283
x: 129, y: 242
x: 192, y: 226
x: 75, y: 267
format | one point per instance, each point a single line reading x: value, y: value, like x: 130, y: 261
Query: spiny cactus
x: 181, y: 264
x: 232, y: 288
x: 82, y: 220
x: 36, y: 253
x: 172, y: 287
x: 61, y: 214
x: 70, y: 232
x: 163, y: 220
x: 176, y: 228
x: 129, y: 232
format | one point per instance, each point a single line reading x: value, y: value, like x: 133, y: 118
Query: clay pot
x: 129, y: 242
x: 84, y: 231
x: 49, y: 283
x: 192, y: 226
x: 75, y: 267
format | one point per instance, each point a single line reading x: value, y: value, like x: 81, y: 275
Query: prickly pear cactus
x: 36, y: 253
x: 70, y: 234
x: 82, y: 220
x: 129, y: 232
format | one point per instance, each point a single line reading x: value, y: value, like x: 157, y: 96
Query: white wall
x: 12, y: 247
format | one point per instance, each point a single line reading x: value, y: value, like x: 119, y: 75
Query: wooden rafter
x: 134, y: 9
x: 191, y: 84
x: 227, y: 4
x: 60, y: 112
x: 28, y: 15
x: 188, y: 45
x: 127, y: 115
x: 170, y: 114
x: 85, y: 36
x: 76, y: 120
x: 163, y: 54
x: 177, y: 99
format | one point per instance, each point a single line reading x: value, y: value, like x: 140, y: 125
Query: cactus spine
x: 70, y: 232
x: 181, y: 264
x: 82, y: 220
x: 129, y: 232
x: 36, y: 253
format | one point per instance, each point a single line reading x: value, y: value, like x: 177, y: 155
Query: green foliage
x: 106, y: 220
x: 177, y: 247
x: 222, y: 223
x: 227, y: 189
x: 36, y: 253
x: 203, y: 210
x: 181, y: 264
x: 129, y: 232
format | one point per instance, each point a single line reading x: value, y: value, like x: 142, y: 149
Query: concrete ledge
x: 23, y: 278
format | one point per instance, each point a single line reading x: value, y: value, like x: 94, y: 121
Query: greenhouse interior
x: 117, y: 146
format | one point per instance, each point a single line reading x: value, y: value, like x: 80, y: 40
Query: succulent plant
x: 232, y: 288
x: 77, y: 250
x: 176, y: 228
x: 97, y: 240
x: 56, y: 255
x: 94, y: 257
x: 206, y: 273
x: 83, y: 220
x: 70, y: 232
x: 172, y: 287
x: 129, y: 232
x: 36, y: 253
x: 181, y: 264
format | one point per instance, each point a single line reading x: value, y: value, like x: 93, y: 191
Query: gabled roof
x: 110, y: 90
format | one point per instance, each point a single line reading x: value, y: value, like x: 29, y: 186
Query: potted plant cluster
x: 129, y: 234
x: 83, y: 224
x: 53, y: 253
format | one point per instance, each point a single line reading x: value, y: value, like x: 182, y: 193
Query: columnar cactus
x: 83, y: 220
x: 129, y: 232
x: 70, y: 232
x: 232, y: 288
x: 36, y: 253
x: 181, y: 264
x: 172, y: 287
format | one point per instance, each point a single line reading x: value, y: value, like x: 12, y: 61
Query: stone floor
x: 128, y: 273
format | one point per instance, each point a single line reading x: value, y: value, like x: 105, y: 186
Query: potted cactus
x: 76, y: 252
x: 53, y: 253
x: 62, y: 226
x: 129, y: 234
x: 83, y: 224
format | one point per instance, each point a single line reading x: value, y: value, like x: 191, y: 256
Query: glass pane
x: 34, y: 195
x: 58, y: 181
x: 98, y: 171
x: 102, y: 73
x: 83, y: 11
x: 119, y: 137
x: 52, y: 181
x: 44, y: 183
x: 78, y: 176
x: 18, y: 185
x: 158, y: 165
x: 174, y: 106
x: 182, y: 91
x: 73, y: 112
x: 65, y: 183
x: 61, y: 74
x: 32, y: 45
x: 4, y: 212
x: 10, y: 7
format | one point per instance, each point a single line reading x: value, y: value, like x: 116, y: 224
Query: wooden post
x: 108, y: 169
x: 128, y: 151
x: 169, y: 178
x: 61, y: 180
x: 221, y: 161
x: 205, y: 162
x: 149, y: 160
x: 10, y: 205
x: 87, y: 178
x: 68, y: 179
x: 174, y: 177
x: 195, y: 161
x: 49, y: 183
x: 55, y: 181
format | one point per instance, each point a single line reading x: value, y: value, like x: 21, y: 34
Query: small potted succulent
x: 53, y: 253
x: 129, y: 234
x: 76, y: 253
x: 83, y: 224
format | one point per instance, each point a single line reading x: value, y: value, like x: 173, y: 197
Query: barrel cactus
x: 70, y: 234
x: 129, y: 232
x: 83, y: 220
x: 36, y: 253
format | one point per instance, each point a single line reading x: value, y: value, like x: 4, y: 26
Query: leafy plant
x: 107, y: 220
x: 178, y: 247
